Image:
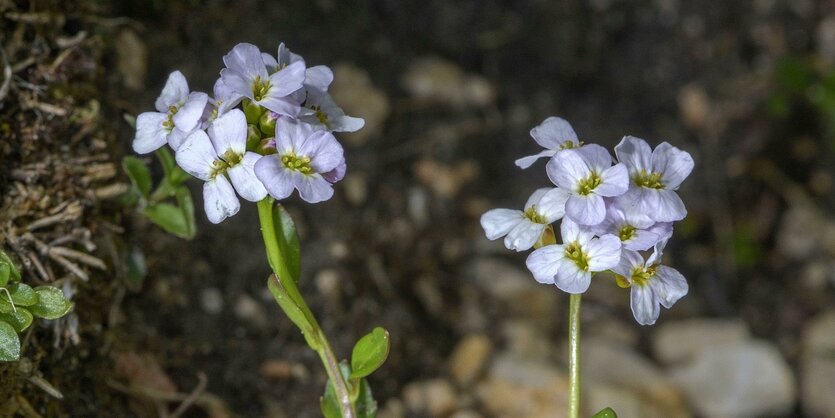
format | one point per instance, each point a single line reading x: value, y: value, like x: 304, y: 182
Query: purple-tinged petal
x: 586, y: 210
x: 176, y: 138
x: 528, y: 161
x: 313, y: 188
x: 237, y: 83
x: 597, y: 158
x: 188, y: 116
x: 657, y: 253
x: 603, y: 252
x: 614, y: 181
x: 287, y: 80
x: 553, y: 132
x: 285, y: 57
x: 668, y: 285
x: 499, y: 222
x: 664, y: 230
x: 570, y: 232
x: 524, y: 235
x: 246, y: 60
x: 276, y: 178
x: 150, y: 133
x: 544, y: 262
x: 629, y: 260
x: 641, y: 240
x: 196, y: 155
x: 346, y: 123
x: 270, y: 62
x: 645, y: 307
x: 219, y: 199
x: 635, y: 153
x: 567, y: 168
x: 225, y: 97
x: 324, y: 151
x: 552, y: 204
x: 673, y: 164
x: 282, y: 106
x: 571, y: 279
x: 536, y: 196
x: 318, y: 77
x: 243, y: 178
x: 228, y: 132
x: 174, y: 93
x: 668, y: 207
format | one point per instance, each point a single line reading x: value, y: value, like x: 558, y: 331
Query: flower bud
x: 267, y: 122
x: 253, y: 137
x: 252, y: 111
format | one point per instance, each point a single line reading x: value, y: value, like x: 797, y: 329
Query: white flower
x: 523, y: 229
x: 655, y: 176
x: 319, y: 109
x: 178, y: 113
x: 554, y: 134
x: 589, y: 175
x: 637, y: 231
x: 219, y: 154
x: 570, y: 265
x: 246, y: 74
x: 653, y: 285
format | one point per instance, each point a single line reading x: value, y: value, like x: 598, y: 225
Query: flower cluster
x: 267, y: 130
x: 617, y: 216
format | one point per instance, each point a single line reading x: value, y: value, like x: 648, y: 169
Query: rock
x: 393, y: 408
x: 678, y: 341
x: 817, y: 366
x: 519, y: 387
x: 466, y: 414
x: 250, y: 311
x: 468, y: 358
x: 280, y: 369
x: 327, y: 281
x: 694, y: 106
x: 445, y: 180
x: 353, y: 91
x: 525, y: 339
x: 435, y: 397
x: 435, y: 80
x: 624, y: 402
x: 211, y: 300
x: 131, y: 59
x: 517, y: 289
x: 747, y: 379
x: 805, y: 232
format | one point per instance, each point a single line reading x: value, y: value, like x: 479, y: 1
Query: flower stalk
x: 574, y: 355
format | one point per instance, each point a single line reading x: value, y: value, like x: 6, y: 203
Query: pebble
x: 744, y: 380
x: 250, y: 311
x: 211, y: 300
x: 517, y: 289
x: 353, y: 90
x: 677, y: 341
x: 435, y: 80
x: 817, y: 366
x: 469, y: 357
x: 436, y: 397
x: 519, y: 387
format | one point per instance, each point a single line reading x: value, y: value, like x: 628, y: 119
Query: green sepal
x: 170, y: 218
x: 20, y: 319
x: 253, y: 138
x: 369, y: 353
x: 288, y: 241
x: 252, y: 111
x: 267, y: 124
x: 606, y: 413
x: 14, y: 273
x: 9, y: 343
x: 22, y: 294
x: 140, y: 176
x: 51, y: 303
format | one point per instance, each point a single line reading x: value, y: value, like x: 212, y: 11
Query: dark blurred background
x: 449, y: 91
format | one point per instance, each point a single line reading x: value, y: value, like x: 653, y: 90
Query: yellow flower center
x: 575, y: 253
x: 641, y: 276
x: 588, y: 184
x: 227, y: 160
x: 532, y: 215
x: 322, y: 116
x: 294, y: 162
x: 570, y: 145
x: 260, y: 88
x: 626, y: 232
x: 648, y: 180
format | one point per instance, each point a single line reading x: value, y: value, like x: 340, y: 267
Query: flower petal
x: 668, y: 207
x: 552, y: 204
x: 219, y: 200
x: 571, y: 279
x: 673, y: 164
x: 150, y: 134
x: 286, y: 57
x: 498, y: 222
x: 528, y: 161
x: 282, y: 106
x: 246, y: 60
x: 270, y: 62
x: 346, y: 124
x: 604, y: 252
x: 196, y: 155
x: 629, y: 260
x: 544, y: 262
x: 553, y: 132
x: 597, y: 158
x: 536, y: 196
x: 586, y: 210
x: 524, y: 235
x: 313, y: 188
x: 570, y: 231
x: 614, y: 181
x: 174, y: 92
x: 567, y: 168
x: 176, y: 138
x: 188, y: 116
x: 287, y: 80
x: 337, y: 173
x: 243, y: 178
x: 635, y: 153
x: 324, y: 151
x: 228, y: 132
x: 641, y: 240
x: 645, y: 307
x: 237, y: 82
x: 276, y: 178
x: 318, y: 77
x: 669, y: 285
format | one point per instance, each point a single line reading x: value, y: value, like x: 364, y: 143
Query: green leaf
x: 187, y: 208
x: 292, y: 310
x: 170, y: 218
x: 134, y: 268
x: 365, y: 404
x: 14, y: 273
x: 5, y: 273
x: 330, y: 402
x: 369, y: 353
x: 169, y: 164
x: 288, y: 241
x: 606, y: 413
x: 19, y: 319
x: 51, y: 303
x: 5, y: 305
x: 22, y: 295
x: 139, y: 174
x: 130, y: 119
x: 9, y: 343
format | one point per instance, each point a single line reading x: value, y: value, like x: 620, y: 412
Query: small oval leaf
x: 5, y: 273
x: 139, y: 174
x: 288, y: 241
x: 9, y: 343
x: 22, y: 294
x: 606, y: 413
x: 14, y: 273
x: 169, y: 217
x: 365, y: 405
x: 51, y: 303
x: 369, y: 353
x: 19, y: 319
x: 5, y: 305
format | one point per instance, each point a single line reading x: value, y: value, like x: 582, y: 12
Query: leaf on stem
x: 369, y: 353
x: 330, y: 401
x: 22, y: 294
x: 365, y: 404
x: 288, y: 241
x: 292, y: 310
x: 606, y: 413
x: 51, y: 303
x: 9, y: 343
x: 139, y: 175
x: 187, y: 208
x: 19, y: 319
x: 14, y: 273
x: 170, y: 218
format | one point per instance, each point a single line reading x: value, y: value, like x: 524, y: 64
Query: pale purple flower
x: 655, y: 176
x: 554, y: 134
x: 522, y: 229
x: 305, y: 160
x: 283, y: 58
x: 319, y: 109
x: 224, y: 100
x: 637, y: 231
x: 178, y: 113
x: 219, y: 154
x: 588, y: 174
x: 652, y: 285
x: 246, y: 74
x: 570, y: 265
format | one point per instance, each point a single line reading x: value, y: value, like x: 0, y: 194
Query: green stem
x: 288, y: 285
x: 574, y: 356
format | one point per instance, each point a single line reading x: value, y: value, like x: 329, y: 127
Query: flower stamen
x: 648, y: 180
x: 587, y: 185
x: 532, y: 215
x: 294, y: 162
x: 575, y: 253
x: 260, y: 88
